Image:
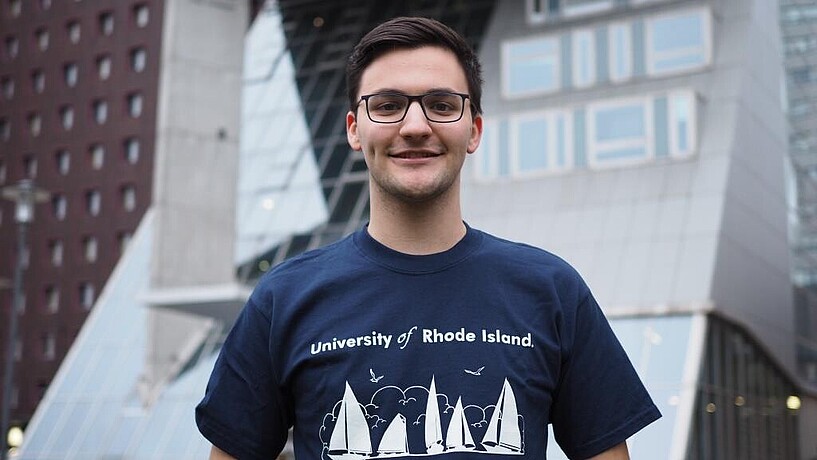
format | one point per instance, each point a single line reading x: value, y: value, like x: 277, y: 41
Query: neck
x: 417, y: 228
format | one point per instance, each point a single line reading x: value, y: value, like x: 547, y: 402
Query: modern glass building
x: 642, y: 140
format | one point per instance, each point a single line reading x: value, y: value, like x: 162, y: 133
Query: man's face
x: 414, y: 160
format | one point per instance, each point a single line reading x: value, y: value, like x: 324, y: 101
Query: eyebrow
x: 429, y: 91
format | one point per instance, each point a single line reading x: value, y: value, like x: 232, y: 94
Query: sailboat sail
x: 351, y: 432
x: 503, y: 434
x: 458, y: 437
x: 433, y: 427
x: 395, y: 439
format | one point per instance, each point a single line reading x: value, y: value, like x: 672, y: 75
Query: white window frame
x: 578, y: 57
x: 129, y: 198
x: 60, y: 207
x: 647, y: 141
x: 489, y: 149
x: 71, y: 74
x: 56, y: 253
x: 52, y: 299
x: 506, y: 66
x: 90, y: 249
x: 651, y: 57
x: 692, y: 129
x: 550, y: 150
x: 612, y: 52
x: 103, y: 66
x: 86, y: 296
x: 138, y: 59
x: 135, y: 104
x: 43, y: 38
x: 100, y: 107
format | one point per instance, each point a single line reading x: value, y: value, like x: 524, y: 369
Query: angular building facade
x: 642, y: 140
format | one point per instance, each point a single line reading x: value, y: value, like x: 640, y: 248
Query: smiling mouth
x: 415, y: 154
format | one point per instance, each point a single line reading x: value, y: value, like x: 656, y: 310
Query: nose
x: 415, y: 123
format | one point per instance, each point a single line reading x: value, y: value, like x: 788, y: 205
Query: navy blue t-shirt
x: 370, y: 352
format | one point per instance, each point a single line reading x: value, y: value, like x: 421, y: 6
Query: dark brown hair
x: 411, y: 33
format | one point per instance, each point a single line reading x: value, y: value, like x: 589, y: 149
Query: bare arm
x: 619, y: 452
x: 218, y: 454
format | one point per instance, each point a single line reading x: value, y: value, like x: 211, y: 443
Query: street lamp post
x: 25, y: 195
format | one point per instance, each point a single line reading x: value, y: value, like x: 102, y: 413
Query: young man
x: 419, y: 335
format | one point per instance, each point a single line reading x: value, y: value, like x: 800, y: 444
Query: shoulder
x: 522, y: 255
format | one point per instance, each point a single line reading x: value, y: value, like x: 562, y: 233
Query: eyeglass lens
x: 392, y: 107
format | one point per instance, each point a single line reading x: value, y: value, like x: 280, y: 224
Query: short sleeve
x: 600, y: 401
x: 243, y: 411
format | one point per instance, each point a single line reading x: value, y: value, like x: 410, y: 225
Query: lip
x: 415, y: 154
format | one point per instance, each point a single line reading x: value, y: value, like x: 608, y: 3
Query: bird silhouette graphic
x: 476, y: 372
x: 374, y: 379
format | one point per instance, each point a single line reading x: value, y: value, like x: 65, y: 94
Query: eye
x: 387, y: 103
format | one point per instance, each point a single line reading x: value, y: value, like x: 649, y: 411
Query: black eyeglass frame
x: 419, y: 99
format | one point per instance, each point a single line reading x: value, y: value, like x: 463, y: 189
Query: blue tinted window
x: 532, y: 66
x: 679, y: 42
x: 533, y: 141
x: 619, y: 123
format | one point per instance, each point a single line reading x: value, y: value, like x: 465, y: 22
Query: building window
x: 8, y: 87
x: 12, y: 46
x: 584, y: 58
x: 45, y: 4
x: 93, y: 202
x: 124, y: 240
x: 540, y: 142
x: 35, y: 124
x: 60, y: 206
x: 52, y: 299
x: 89, y: 247
x: 49, y: 346
x: 97, y: 153
x: 41, y: 36
x: 621, y: 52
x: 138, y: 58
x: 106, y: 23
x: 141, y: 15
x: 56, y: 253
x: 582, y: 7
x: 536, y: 11
x: 103, y: 67
x: 71, y: 73
x: 531, y: 66
x: 100, y: 109
x: 132, y: 150
x: 5, y: 129
x: 86, y: 295
x: 682, y: 123
x: 129, y: 198
x: 619, y: 132
x: 678, y: 42
x: 135, y: 105
x: 2, y: 177
x: 63, y: 162
x: 30, y: 166
x: 67, y: 117
x: 15, y: 7
x: 74, y: 31
x: 38, y: 81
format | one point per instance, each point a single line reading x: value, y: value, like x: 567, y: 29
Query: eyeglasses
x: 438, y: 106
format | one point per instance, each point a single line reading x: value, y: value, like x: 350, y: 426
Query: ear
x: 351, y: 131
x: 476, y: 134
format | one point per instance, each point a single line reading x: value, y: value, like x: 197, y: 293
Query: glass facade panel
x: 621, y: 52
x: 584, y: 58
x: 531, y: 66
x: 619, y: 132
x: 532, y: 137
x: 678, y: 42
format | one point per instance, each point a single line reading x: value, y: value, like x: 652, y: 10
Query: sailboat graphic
x: 503, y: 434
x: 395, y: 440
x: 433, y: 427
x: 350, y: 438
x: 458, y: 437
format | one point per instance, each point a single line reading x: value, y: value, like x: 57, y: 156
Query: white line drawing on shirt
x: 476, y: 372
x: 374, y: 379
x: 353, y: 439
